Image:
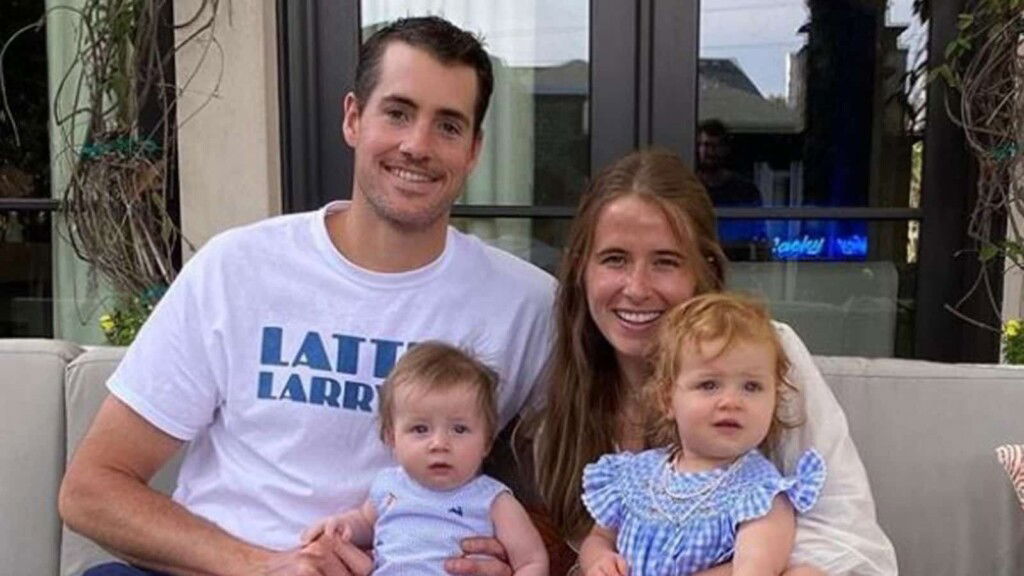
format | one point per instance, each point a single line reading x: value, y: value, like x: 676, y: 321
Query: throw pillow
x: 1011, y: 456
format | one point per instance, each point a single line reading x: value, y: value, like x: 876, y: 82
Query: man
x: 741, y: 239
x: 725, y: 187
x: 265, y: 354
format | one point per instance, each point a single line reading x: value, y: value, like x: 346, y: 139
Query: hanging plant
x: 984, y: 68
x: 115, y: 114
x: 116, y: 203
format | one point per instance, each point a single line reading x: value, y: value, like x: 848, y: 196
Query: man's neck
x: 378, y: 245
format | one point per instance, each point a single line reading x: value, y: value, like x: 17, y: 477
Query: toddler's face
x: 722, y: 403
x: 440, y: 438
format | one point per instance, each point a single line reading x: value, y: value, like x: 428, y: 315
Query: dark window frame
x: 638, y: 99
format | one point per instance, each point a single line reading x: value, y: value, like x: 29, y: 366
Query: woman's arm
x: 840, y: 534
x: 763, y: 545
x: 516, y: 532
x: 598, y: 556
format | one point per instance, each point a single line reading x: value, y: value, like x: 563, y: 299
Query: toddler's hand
x: 327, y: 526
x: 609, y: 564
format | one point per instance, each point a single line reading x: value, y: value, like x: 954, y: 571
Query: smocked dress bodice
x: 672, y: 524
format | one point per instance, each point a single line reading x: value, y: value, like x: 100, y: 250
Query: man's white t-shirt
x: 267, y: 352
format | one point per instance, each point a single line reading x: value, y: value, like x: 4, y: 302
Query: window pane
x: 846, y: 286
x: 538, y: 240
x: 26, y: 287
x: 811, y: 103
x: 861, y: 306
x: 24, y: 123
x: 536, y: 134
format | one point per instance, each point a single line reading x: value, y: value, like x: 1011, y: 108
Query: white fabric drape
x: 76, y: 306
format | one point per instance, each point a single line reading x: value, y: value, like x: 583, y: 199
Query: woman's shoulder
x: 790, y: 340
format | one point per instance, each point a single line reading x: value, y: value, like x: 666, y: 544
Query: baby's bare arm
x: 354, y: 525
x: 516, y: 532
x: 763, y: 545
x: 598, y: 556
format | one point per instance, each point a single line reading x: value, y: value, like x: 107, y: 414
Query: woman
x: 643, y: 241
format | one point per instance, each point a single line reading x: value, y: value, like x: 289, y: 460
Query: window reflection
x: 820, y: 103
x: 536, y: 134
x: 26, y: 287
x: 26, y: 290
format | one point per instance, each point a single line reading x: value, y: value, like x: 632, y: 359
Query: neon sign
x: 819, y: 247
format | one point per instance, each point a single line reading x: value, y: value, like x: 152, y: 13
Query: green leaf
x: 951, y: 48
x: 988, y: 252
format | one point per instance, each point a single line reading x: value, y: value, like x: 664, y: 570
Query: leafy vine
x: 984, y: 68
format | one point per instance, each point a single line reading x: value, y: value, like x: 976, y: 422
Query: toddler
x: 721, y: 397
x: 438, y: 415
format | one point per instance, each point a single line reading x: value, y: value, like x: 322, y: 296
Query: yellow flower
x: 106, y: 322
x: 1013, y: 328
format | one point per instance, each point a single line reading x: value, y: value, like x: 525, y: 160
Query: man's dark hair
x: 446, y: 42
x: 714, y: 128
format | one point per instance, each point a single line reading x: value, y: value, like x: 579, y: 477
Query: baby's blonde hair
x: 728, y: 318
x: 432, y: 367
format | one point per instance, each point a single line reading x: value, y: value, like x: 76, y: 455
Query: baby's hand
x: 608, y: 564
x: 328, y: 525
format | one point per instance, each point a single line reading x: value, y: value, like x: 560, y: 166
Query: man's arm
x: 105, y: 496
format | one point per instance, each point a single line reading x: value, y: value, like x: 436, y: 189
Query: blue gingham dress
x: 673, y: 524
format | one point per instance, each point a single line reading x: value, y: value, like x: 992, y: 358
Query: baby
x: 438, y: 415
x: 720, y: 392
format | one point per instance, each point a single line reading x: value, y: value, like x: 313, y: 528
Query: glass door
x: 563, y: 103
x: 536, y: 152
x: 818, y: 105
x: 845, y: 187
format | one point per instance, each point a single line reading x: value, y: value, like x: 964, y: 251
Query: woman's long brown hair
x: 585, y: 392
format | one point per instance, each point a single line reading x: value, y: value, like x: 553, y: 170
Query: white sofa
x: 926, y: 432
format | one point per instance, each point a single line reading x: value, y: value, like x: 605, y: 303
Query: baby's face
x: 723, y: 401
x: 440, y: 438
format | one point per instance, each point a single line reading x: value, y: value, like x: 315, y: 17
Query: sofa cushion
x: 84, y: 392
x: 926, y: 432
x: 31, y: 452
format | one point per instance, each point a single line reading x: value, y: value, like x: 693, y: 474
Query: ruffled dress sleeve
x: 602, y: 494
x: 802, y: 489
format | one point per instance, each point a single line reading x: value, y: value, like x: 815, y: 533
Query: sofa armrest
x: 85, y: 390
x: 31, y: 452
x: 927, y: 434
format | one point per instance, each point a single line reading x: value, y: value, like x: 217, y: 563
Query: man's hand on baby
x: 609, y: 564
x: 496, y: 565
x: 327, y: 555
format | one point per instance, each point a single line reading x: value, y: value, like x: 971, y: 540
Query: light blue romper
x: 673, y: 524
x: 418, y: 528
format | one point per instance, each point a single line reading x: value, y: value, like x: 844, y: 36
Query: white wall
x: 228, y: 144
